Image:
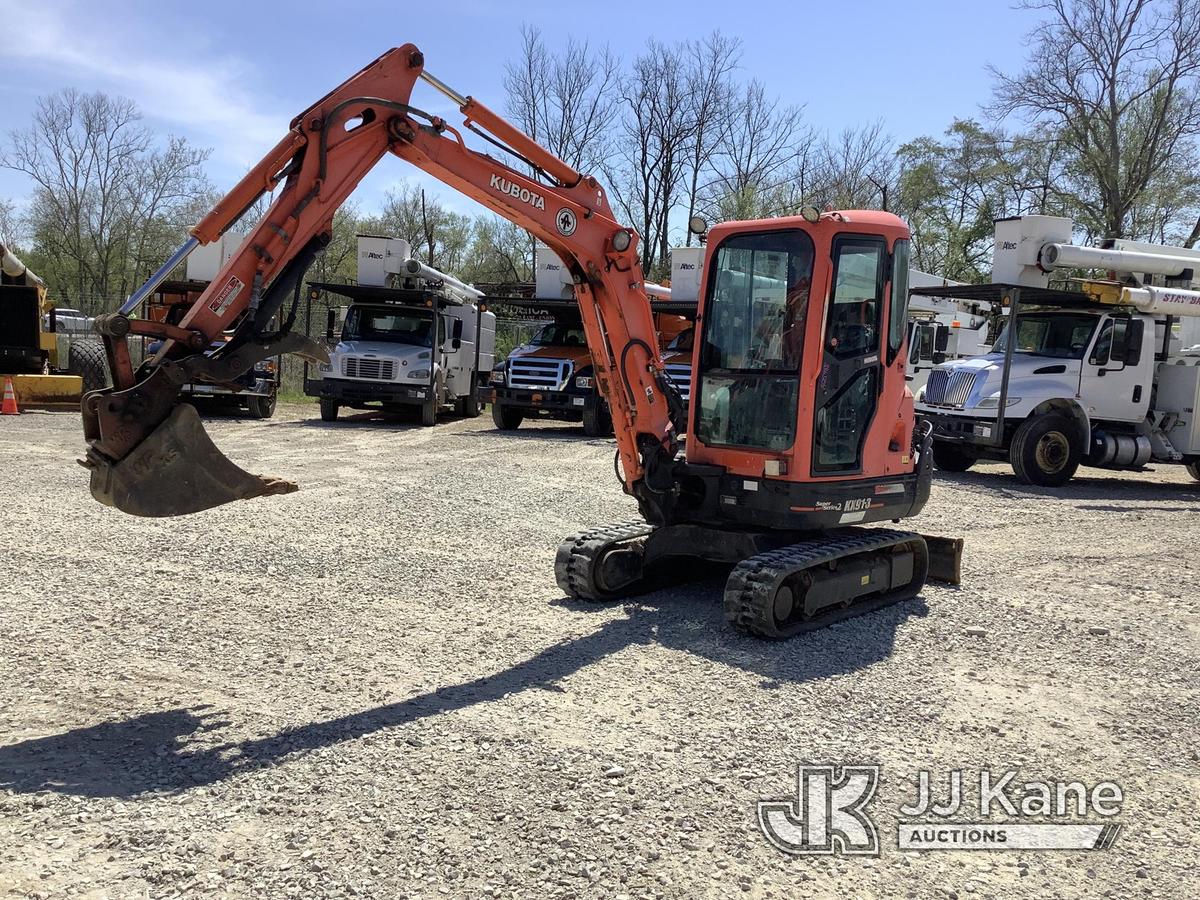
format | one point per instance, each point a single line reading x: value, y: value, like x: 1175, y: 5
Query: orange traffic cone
x: 9, y: 408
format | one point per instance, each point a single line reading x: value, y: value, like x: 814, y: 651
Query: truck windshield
x: 1057, y: 336
x: 560, y: 334
x: 389, y: 325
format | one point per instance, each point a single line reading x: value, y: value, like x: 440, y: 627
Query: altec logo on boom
x: 504, y: 186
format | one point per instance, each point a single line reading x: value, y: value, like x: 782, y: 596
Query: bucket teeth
x: 176, y: 470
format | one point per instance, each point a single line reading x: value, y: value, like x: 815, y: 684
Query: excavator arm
x: 148, y: 453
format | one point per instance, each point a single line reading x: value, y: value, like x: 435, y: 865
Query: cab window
x: 560, y: 334
x: 898, y: 308
x: 857, y: 297
x: 752, y: 340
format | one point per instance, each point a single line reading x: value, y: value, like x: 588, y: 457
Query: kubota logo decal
x: 504, y: 186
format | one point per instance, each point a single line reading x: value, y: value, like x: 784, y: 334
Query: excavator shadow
x: 173, y: 750
x: 372, y: 419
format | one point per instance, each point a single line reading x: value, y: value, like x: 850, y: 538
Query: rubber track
x: 576, y: 562
x: 750, y: 590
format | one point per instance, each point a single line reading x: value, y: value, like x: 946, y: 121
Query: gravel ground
x: 374, y: 688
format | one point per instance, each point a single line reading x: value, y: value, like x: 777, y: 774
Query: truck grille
x: 373, y: 369
x: 949, y: 388
x: 535, y: 373
x: 681, y: 377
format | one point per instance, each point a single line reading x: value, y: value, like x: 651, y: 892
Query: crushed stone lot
x: 374, y: 688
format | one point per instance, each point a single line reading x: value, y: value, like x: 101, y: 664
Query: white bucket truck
x: 411, y: 336
x: 940, y: 329
x: 1105, y: 373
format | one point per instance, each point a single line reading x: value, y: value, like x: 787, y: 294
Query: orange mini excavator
x: 801, y: 427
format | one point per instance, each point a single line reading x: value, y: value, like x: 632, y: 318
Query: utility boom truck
x: 1103, y: 374
x: 411, y: 336
x: 48, y: 352
x: 551, y: 376
x: 941, y: 329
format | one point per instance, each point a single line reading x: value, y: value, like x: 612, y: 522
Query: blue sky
x: 230, y: 75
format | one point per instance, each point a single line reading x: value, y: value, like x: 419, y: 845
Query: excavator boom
x: 148, y: 458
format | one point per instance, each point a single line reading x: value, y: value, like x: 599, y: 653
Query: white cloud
x: 208, y: 100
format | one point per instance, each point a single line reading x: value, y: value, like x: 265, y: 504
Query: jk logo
x: 827, y: 815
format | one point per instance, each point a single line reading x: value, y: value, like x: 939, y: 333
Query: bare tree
x: 762, y: 142
x: 1116, y: 81
x: 711, y: 62
x: 106, y: 200
x: 656, y: 134
x: 499, y: 252
x: 437, y: 234
x: 564, y: 101
x: 859, y: 168
x: 11, y: 229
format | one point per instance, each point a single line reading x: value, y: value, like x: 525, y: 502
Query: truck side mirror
x: 942, y: 340
x: 939, y: 357
x: 456, y: 334
x: 330, y: 323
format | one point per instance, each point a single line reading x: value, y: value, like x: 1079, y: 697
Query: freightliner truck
x: 411, y: 336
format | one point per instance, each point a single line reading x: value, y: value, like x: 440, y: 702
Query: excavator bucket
x: 177, y: 470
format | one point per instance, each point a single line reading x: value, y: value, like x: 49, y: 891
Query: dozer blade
x: 176, y: 470
x: 945, y: 558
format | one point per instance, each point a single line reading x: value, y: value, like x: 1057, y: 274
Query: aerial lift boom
x: 801, y: 419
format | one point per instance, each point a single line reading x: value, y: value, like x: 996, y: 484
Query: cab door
x: 1117, y: 372
x: 847, y: 395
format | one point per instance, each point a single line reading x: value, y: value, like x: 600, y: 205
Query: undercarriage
x: 782, y: 583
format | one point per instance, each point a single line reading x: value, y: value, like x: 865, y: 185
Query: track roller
x: 813, y: 584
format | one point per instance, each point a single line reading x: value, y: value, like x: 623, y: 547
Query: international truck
x: 410, y: 336
x: 1104, y: 372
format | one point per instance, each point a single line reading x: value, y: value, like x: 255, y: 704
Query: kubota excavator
x: 801, y: 424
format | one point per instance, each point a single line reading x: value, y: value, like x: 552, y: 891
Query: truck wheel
x: 261, y: 407
x: 1194, y: 469
x: 470, y: 405
x: 429, y: 411
x: 596, y: 420
x: 952, y: 457
x: 1045, y: 450
x: 86, y: 358
x: 506, y: 418
x: 329, y: 410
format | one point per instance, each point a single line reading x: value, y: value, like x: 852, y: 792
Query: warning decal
x: 226, y: 295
